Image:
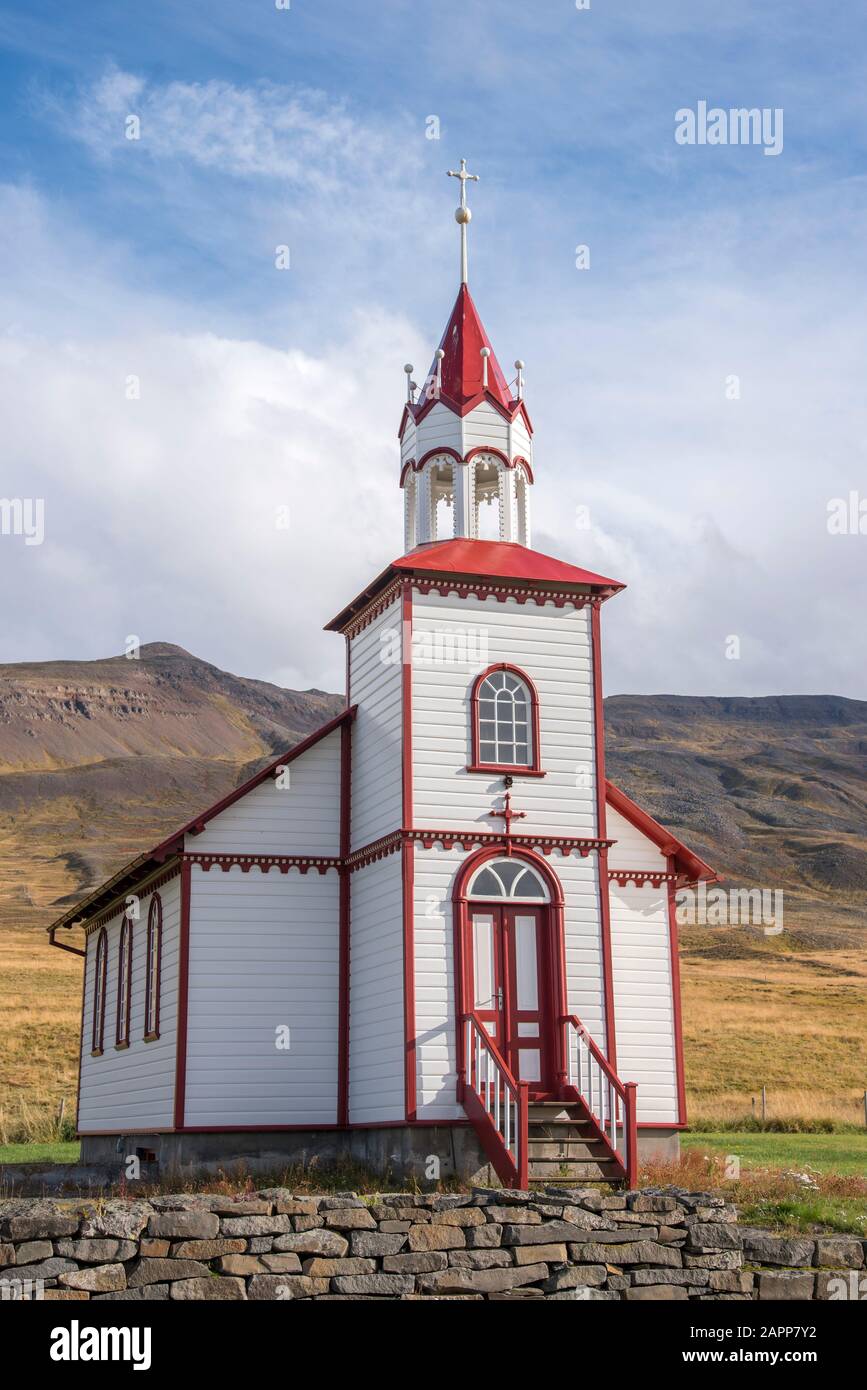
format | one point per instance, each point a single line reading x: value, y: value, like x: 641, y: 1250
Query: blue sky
x: 307, y: 127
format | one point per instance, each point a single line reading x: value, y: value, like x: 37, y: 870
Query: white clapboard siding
x: 633, y: 849
x: 376, y: 1023
x: 552, y: 646
x: 375, y: 686
x: 436, y: 870
x: 436, y: 1077
x: 263, y: 957
x: 299, y: 814
x: 644, y: 1012
x: 585, y: 975
x: 132, y: 1088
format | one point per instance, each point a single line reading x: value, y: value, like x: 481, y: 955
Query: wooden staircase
x: 588, y: 1135
x: 563, y: 1144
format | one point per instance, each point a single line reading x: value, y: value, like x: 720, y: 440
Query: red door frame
x: 554, y: 985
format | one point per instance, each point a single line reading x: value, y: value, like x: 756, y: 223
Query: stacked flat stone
x: 553, y: 1243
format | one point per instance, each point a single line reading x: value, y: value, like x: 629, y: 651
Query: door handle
x: 500, y: 998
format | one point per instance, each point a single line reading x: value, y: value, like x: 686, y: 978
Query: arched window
x: 486, y: 521
x: 508, y: 880
x: 124, y: 984
x: 99, y: 993
x: 522, y: 505
x: 152, y: 975
x: 505, y: 723
x: 410, y: 504
x: 441, y: 476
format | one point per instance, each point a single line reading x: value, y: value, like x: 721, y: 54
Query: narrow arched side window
x: 152, y: 969
x: 504, y: 717
x: 124, y: 984
x: 99, y: 978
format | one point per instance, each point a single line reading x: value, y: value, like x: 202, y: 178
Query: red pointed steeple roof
x: 462, y: 343
x: 462, y: 370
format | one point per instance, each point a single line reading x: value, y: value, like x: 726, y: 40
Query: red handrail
x: 499, y: 1136
x: 627, y: 1092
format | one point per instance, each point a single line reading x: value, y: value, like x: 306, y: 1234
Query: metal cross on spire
x: 463, y: 215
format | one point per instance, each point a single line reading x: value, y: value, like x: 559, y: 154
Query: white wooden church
x: 433, y: 932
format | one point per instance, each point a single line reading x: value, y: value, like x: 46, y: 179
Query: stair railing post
x: 523, y: 1134
x: 631, y: 1127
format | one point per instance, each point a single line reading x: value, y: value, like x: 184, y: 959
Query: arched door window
x: 508, y: 880
x: 505, y: 722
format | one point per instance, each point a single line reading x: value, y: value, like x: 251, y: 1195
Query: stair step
x: 565, y: 1152
x: 546, y: 1170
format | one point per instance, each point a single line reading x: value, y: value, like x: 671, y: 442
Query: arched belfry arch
x: 553, y: 919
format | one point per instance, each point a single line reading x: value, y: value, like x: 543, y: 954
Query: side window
x: 99, y: 977
x: 124, y: 984
x: 505, y: 722
x: 152, y: 976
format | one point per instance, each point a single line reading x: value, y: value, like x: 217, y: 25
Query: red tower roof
x: 462, y: 370
x: 471, y: 559
x: 462, y: 343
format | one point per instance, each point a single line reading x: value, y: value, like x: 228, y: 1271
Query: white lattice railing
x: 610, y: 1102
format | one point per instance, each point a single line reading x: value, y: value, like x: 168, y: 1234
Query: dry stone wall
x: 558, y: 1243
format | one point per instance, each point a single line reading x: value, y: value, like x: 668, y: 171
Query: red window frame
x: 154, y: 944
x: 121, y: 1039
x: 99, y: 985
x: 531, y: 769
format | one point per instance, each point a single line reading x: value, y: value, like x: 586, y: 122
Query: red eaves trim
x: 686, y: 862
x: 677, y: 1013
x: 183, y: 999
x: 495, y: 565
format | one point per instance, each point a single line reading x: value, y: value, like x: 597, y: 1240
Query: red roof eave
x: 687, y: 862
x: 492, y: 561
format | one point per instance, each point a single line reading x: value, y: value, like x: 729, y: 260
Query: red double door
x: 510, y: 982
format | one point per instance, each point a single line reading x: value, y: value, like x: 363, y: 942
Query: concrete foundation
x: 405, y: 1153
x: 660, y: 1145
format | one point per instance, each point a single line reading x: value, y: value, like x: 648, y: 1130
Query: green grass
x: 845, y: 1154
x: 845, y: 1215
x: 40, y: 1153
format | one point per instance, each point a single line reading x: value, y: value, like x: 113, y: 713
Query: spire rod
x: 463, y: 215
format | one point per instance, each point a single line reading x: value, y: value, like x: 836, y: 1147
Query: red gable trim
x: 686, y: 861
x: 144, y: 863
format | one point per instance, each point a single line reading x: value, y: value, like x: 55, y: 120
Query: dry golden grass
x: 797, y: 1025
x: 39, y: 1021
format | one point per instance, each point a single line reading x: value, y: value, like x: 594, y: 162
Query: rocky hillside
x: 99, y: 759
x: 772, y: 791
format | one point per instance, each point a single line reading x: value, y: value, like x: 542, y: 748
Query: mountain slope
x: 772, y: 791
x: 100, y: 759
